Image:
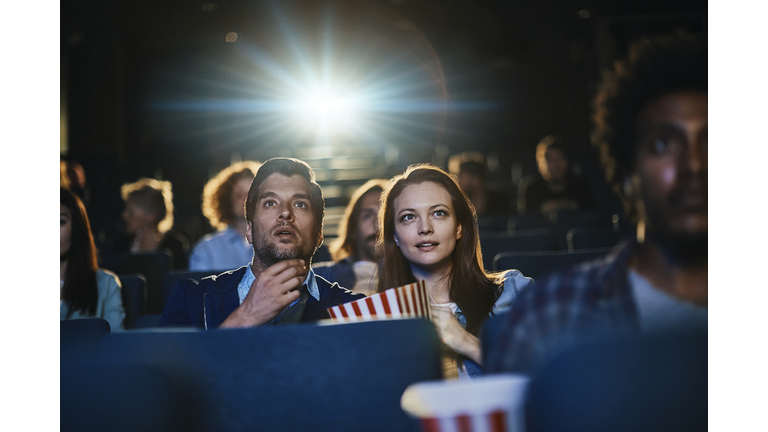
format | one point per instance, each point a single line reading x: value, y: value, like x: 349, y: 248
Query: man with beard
x: 651, y: 129
x: 354, y: 252
x: 284, y: 212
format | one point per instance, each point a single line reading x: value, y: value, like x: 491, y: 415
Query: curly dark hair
x: 217, y: 193
x: 655, y: 67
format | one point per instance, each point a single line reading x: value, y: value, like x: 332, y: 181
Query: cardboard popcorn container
x: 493, y: 403
x: 407, y: 301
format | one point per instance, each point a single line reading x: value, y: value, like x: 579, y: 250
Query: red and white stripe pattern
x: 494, y: 421
x: 407, y: 301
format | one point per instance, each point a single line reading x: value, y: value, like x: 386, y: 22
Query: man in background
x: 556, y: 188
x: 354, y: 251
x: 471, y: 171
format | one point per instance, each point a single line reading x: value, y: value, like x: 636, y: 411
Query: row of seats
x: 290, y: 378
x: 351, y: 377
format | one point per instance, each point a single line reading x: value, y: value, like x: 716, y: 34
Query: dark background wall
x: 138, y: 79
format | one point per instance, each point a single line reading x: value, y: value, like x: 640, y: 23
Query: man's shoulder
x: 577, y: 289
x: 219, y: 282
x: 332, y: 291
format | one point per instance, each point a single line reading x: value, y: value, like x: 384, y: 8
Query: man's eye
x: 660, y: 145
x: 301, y: 204
x: 269, y: 203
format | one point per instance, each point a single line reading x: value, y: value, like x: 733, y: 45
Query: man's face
x: 367, y: 226
x: 557, y: 164
x: 283, y: 225
x: 468, y: 182
x: 672, y: 165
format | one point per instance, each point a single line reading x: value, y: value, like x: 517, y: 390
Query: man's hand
x: 454, y: 336
x: 274, y: 289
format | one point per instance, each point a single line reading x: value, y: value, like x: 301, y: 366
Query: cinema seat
x: 289, y: 378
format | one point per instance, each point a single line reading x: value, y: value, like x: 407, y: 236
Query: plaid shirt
x: 592, y: 300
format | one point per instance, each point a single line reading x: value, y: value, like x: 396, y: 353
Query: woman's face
x: 135, y: 217
x: 426, y: 229
x: 65, y: 221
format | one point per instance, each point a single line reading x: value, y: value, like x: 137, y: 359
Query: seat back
x: 147, y: 321
x: 75, y: 334
x: 151, y: 265
x: 530, y: 240
x: 649, y: 384
x: 96, y: 397
x: 292, y: 377
x: 538, y: 264
x: 134, y: 293
x: 590, y: 237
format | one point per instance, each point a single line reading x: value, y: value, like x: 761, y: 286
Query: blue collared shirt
x: 248, y: 277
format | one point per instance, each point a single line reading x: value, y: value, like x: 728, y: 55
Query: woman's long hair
x: 80, y: 291
x: 346, y: 243
x: 470, y: 287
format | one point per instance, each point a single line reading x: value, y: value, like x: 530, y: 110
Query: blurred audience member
x: 651, y: 129
x: 148, y: 217
x: 224, y: 206
x: 72, y: 177
x: 354, y: 252
x: 63, y: 176
x: 555, y: 188
x: 86, y: 291
x: 471, y: 171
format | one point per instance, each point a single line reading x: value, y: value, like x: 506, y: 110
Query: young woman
x: 85, y: 290
x: 429, y: 232
x: 148, y: 217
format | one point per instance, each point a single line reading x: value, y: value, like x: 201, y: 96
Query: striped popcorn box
x: 487, y: 404
x: 407, y: 301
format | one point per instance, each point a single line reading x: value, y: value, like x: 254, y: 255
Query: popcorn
x: 407, y: 301
x: 493, y: 403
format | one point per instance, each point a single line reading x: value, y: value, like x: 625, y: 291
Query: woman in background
x: 429, y: 232
x: 86, y: 291
x: 148, y: 217
x: 224, y: 205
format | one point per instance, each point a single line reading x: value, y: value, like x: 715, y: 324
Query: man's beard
x: 686, y: 249
x: 367, y: 249
x: 270, y: 254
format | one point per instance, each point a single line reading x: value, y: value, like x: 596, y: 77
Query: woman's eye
x: 440, y: 213
x: 407, y: 217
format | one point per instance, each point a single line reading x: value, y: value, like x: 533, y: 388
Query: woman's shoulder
x: 513, y: 281
x: 106, y: 279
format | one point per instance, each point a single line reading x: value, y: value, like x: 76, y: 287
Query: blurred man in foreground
x: 651, y: 129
